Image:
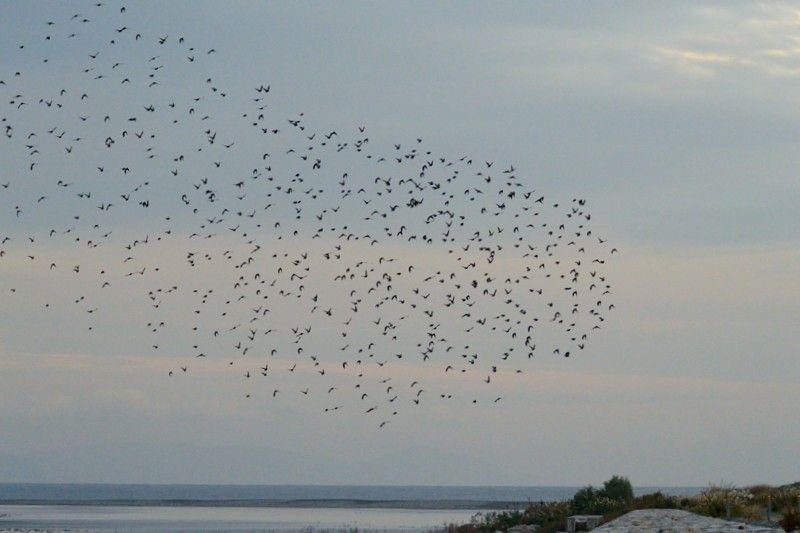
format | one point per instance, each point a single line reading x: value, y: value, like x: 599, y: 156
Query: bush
x: 656, y: 500
x: 497, y: 520
x: 583, y: 500
x: 618, y: 488
x: 616, y: 495
x: 589, y: 500
x: 790, y: 520
x: 715, y: 501
x: 551, y: 516
x: 785, y: 498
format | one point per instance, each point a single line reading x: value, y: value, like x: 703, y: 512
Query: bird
x: 315, y: 259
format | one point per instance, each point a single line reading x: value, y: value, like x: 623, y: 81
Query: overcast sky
x: 678, y: 122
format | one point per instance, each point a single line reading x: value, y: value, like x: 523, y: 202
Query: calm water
x: 283, y: 508
x: 442, y: 497
x: 115, y: 518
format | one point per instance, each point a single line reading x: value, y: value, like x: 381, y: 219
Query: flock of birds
x: 308, y: 262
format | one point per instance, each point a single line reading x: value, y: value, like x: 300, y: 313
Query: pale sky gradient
x: 679, y: 122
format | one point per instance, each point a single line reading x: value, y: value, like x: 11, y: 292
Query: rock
x: 675, y: 521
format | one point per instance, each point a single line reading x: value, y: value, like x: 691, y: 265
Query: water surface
x: 108, y: 518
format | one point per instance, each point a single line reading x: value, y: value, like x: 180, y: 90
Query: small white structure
x: 583, y: 522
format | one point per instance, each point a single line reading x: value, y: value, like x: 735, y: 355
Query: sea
x: 263, y: 508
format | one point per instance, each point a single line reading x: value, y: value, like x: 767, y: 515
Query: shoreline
x: 432, y: 505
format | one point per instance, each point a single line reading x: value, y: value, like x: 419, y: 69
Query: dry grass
x: 748, y: 503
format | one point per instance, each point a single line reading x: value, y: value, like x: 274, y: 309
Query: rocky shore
x: 676, y: 521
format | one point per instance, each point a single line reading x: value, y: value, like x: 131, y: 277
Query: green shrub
x: 618, y: 488
x: 583, y: 500
x: 615, y: 496
x: 496, y: 520
x: 549, y: 515
x: 656, y: 500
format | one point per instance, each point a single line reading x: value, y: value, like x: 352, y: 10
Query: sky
x: 678, y: 123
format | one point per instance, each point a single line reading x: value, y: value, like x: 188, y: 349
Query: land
x: 754, y: 508
x: 676, y: 521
